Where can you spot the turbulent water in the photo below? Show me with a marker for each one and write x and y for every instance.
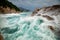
(23, 27)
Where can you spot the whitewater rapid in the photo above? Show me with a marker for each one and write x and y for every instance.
(23, 27)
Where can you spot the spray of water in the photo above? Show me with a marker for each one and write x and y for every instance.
(17, 27)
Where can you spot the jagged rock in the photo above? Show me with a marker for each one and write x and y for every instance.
(43, 10)
(8, 7)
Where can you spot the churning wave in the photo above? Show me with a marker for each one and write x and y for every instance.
(23, 27)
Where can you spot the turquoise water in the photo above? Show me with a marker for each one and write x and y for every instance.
(24, 27)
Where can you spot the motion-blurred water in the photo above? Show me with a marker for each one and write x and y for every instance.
(24, 27)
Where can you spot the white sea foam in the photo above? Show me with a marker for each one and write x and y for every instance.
(27, 27)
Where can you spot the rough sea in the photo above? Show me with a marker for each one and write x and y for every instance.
(22, 26)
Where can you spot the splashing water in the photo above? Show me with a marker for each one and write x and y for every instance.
(16, 27)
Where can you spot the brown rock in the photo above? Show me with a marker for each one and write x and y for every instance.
(51, 28)
(7, 10)
(48, 9)
(48, 17)
(1, 37)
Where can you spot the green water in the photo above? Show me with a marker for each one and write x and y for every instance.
(25, 28)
